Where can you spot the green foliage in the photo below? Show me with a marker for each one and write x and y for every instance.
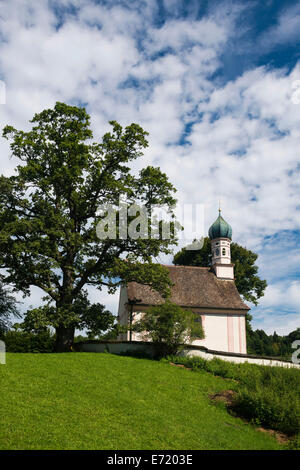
(248, 283)
(263, 406)
(18, 341)
(201, 257)
(261, 344)
(8, 307)
(294, 444)
(111, 334)
(139, 354)
(49, 212)
(82, 315)
(269, 396)
(169, 326)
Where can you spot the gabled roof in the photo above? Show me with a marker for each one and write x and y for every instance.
(193, 287)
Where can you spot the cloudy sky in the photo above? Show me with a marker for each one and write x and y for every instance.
(215, 83)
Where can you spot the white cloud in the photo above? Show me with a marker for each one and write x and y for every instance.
(286, 30)
(281, 293)
(279, 309)
(180, 34)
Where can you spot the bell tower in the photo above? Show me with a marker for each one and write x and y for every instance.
(220, 234)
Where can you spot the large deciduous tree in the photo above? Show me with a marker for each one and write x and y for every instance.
(49, 208)
(8, 308)
(93, 318)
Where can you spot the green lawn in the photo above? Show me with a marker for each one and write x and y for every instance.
(102, 401)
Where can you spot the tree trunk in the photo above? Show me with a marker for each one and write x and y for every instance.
(64, 339)
(65, 335)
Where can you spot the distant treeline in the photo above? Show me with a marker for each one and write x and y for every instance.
(261, 344)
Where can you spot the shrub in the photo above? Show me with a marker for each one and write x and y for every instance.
(271, 395)
(266, 395)
(267, 407)
(23, 342)
(169, 326)
(138, 354)
(294, 443)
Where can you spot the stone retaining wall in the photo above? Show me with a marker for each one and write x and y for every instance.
(127, 347)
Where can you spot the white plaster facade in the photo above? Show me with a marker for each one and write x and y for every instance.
(224, 271)
(123, 319)
(221, 251)
(224, 332)
(221, 258)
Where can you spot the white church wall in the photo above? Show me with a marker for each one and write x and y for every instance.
(237, 343)
(215, 329)
(242, 332)
(224, 271)
(123, 312)
(138, 336)
(220, 256)
(224, 333)
(123, 315)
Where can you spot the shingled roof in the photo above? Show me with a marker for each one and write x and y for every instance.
(193, 287)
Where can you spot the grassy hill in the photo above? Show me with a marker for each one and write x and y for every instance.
(102, 401)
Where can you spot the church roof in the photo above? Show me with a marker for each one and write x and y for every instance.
(193, 287)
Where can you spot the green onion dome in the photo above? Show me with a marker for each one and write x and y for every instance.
(220, 229)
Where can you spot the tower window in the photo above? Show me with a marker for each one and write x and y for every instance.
(224, 251)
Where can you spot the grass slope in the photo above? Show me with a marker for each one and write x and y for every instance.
(102, 401)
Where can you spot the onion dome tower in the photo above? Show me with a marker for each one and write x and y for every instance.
(220, 234)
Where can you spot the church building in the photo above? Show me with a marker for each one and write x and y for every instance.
(210, 292)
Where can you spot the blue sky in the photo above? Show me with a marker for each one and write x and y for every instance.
(216, 84)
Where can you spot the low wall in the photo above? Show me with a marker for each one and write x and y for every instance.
(236, 358)
(116, 347)
(143, 347)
